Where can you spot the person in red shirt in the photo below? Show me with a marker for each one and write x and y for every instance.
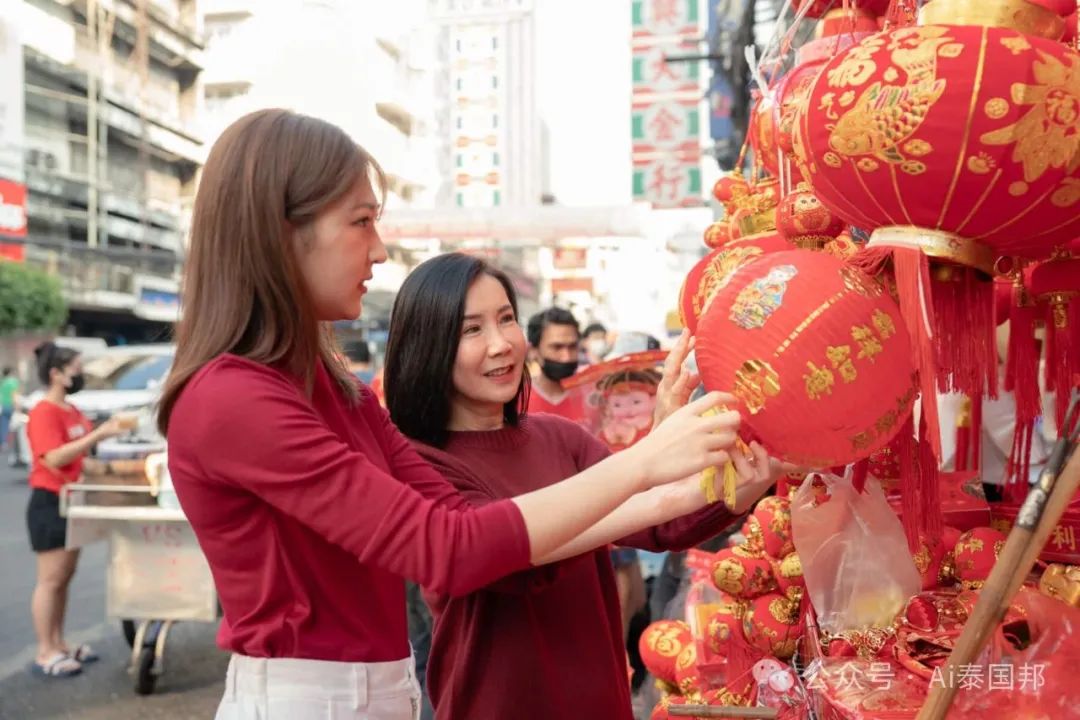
(545, 642)
(311, 508)
(554, 340)
(60, 436)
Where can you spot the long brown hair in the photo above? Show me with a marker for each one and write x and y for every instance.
(267, 177)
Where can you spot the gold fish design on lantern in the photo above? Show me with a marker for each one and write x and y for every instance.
(756, 302)
(886, 116)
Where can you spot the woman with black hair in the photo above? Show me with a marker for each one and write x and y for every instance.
(60, 437)
(546, 642)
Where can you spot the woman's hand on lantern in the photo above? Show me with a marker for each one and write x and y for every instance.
(757, 472)
(693, 438)
(677, 382)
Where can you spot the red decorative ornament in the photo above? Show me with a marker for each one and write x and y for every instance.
(1055, 284)
(955, 143)
(687, 677)
(660, 645)
(743, 573)
(789, 575)
(713, 272)
(975, 553)
(718, 234)
(804, 222)
(724, 624)
(731, 188)
(799, 335)
(762, 133)
(774, 518)
(773, 625)
(929, 558)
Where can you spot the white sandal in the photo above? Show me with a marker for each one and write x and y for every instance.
(58, 665)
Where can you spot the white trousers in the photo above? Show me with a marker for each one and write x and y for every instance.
(286, 689)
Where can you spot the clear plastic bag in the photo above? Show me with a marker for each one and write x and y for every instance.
(854, 554)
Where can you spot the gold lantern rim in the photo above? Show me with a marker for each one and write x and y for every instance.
(936, 244)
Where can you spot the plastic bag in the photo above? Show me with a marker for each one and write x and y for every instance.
(1029, 669)
(855, 557)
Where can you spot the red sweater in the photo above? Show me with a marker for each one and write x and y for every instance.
(311, 511)
(546, 642)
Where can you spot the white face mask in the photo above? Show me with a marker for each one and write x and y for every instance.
(597, 347)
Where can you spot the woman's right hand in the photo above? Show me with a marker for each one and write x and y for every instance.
(687, 443)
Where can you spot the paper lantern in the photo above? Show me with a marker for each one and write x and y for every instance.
(730, 188)
(976, 552)
(774, 517)
(713, 271)
(954, 143)
(773, 625)
(802, 340)
(743, 573)
(804, 222)
(660, 645)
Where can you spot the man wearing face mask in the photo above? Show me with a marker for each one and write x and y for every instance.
(555, 341)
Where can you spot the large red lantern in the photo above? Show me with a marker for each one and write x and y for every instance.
(803, 340)
(956, 143)
(713, 271)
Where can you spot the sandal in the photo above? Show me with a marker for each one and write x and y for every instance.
(84, 654)
(58, 665)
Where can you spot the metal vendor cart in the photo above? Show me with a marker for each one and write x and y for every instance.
(156, 573)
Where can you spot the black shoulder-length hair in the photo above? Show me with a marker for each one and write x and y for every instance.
(425, 330)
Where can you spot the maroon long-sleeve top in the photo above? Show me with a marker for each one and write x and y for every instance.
(311, 510)
(545, 642)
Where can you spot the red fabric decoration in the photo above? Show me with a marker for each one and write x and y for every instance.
(797, 335)
(975, 554)
(743, 573)
(774, 518)
(789, 575)
(660, 645)
(715, 270)
(731, 188)
(773, 625)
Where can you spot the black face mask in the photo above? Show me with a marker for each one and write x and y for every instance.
(558, 371)
(77, 384)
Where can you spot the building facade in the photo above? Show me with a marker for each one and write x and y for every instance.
(111, 149)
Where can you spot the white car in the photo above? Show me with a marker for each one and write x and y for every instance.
(124, 378)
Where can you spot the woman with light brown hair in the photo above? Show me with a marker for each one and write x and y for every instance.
(309, 504)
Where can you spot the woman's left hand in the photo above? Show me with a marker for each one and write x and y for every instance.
(677, 382)
(757, 473)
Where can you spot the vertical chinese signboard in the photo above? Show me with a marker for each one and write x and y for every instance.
(665, 107)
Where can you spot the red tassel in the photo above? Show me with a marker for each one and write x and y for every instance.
(912, 270)
(963, 319)
(976, 433)
(1022, 379)
(931, 518)
(909, 469)
(859, 472)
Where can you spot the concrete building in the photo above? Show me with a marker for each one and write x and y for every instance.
(495, 153)
(111, 149)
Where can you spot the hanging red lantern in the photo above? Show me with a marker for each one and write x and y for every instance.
(1055, 284)
(798, 335)
(955, 143)
(804, 222)
(730, 188)
(713, 271)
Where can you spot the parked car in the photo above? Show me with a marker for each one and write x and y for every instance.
(124, 378)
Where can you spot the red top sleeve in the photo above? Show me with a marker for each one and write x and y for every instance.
(678, 534)
(48, 428)
(370, 495)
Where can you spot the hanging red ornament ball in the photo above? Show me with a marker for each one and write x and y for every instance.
(660, 645)
(773, 625)
(976, 552)
(730, 188)
(804, 222)
(718, 234)
(799, 338)
(743, 573)
(713, 271)
(774, 517)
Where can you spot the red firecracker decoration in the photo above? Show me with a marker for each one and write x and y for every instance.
(798, 335)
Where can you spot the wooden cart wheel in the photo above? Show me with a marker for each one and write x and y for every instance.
(144, 677)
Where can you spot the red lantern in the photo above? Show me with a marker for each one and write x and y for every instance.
(976, 553)
(773, 625)
(713, 271)
(799, 337)
(956, 142)
(743, 573)
(803, 221)
(731, 188)
(762, 132)
(660, 645)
